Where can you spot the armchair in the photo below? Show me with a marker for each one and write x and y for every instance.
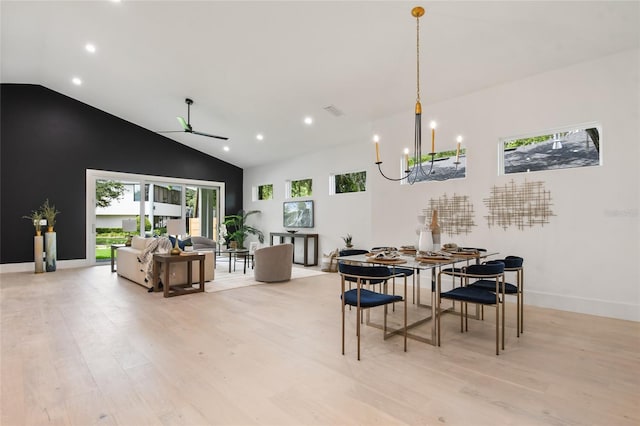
(273, 263)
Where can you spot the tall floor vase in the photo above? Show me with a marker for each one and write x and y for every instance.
(37, 253)
(50, 249)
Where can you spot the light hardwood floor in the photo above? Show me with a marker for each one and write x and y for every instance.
(83, 346)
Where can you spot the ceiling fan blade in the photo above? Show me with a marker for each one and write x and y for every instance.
(211, 136)
(186, 126)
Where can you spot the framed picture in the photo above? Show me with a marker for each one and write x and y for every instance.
(297, 214)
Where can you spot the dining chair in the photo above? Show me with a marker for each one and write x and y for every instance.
(354, 252)
(466, 294)
(363, 299)
(511, 264)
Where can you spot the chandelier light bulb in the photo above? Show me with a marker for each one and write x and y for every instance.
(376, 138)
(459, 139)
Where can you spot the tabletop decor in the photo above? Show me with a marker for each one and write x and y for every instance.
(435, 230)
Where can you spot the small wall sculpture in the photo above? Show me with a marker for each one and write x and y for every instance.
(455, 214)
(521, 205)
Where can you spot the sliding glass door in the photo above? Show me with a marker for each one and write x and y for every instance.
(115, 200)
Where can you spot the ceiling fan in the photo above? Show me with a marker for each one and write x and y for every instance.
(186, 125)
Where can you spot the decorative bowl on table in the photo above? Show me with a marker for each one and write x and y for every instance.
(292, 231)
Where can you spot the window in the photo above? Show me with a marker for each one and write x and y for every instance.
(444, 165)
(265, 192)
(167, 195)
(561, 148)
(348, 182)
(300, 188)
(136, 193)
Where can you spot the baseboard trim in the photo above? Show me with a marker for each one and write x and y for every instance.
(7, 268)
(583, 305)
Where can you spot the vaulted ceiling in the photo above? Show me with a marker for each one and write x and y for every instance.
(261, 67)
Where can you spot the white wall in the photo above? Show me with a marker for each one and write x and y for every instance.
(334, 215)
(584, 260)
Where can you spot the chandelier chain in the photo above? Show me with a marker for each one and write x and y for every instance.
(418, 58)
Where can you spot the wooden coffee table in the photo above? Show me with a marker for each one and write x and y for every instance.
(177, 289)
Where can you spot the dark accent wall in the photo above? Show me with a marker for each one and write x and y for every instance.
(48, 140)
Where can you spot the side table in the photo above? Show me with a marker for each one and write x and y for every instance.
(233, 257)
(114, 247)
(177, 289)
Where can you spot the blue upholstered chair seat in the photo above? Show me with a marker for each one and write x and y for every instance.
(471, 294)
(361, 298)
(369, 299)
(489, 272)
(491, 286)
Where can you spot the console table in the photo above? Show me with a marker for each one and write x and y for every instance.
(306, 238)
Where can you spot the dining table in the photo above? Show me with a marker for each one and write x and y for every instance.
(430, 261)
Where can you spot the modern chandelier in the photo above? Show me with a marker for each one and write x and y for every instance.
(417, 173)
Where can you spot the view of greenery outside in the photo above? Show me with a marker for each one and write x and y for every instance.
(301, 188)
(350, 182)
(444, 154)
(527, 141)
(107, 236)
(192, 201)
(108, 191)
(554, 149)
(265, 192)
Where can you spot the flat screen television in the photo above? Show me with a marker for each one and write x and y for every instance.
(298, 214)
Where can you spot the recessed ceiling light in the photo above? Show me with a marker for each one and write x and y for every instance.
(259, 136)
(90, 48)
(308, 121)
(226, 148)
(76, 81)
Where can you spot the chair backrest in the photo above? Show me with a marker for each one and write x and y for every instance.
(491, 268)
(513, 262)
(352, 252)
(364, 271)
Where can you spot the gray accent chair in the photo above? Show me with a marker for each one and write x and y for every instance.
(203, 243)
(273, 263)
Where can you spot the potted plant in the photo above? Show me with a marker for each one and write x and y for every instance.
(239, 230)
(49, 212)
(35, 217)
(347, 240)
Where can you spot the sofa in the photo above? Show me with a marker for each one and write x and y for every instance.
(129, 267)
(273, 263)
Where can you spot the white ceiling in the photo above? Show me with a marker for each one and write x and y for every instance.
(260, 67)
